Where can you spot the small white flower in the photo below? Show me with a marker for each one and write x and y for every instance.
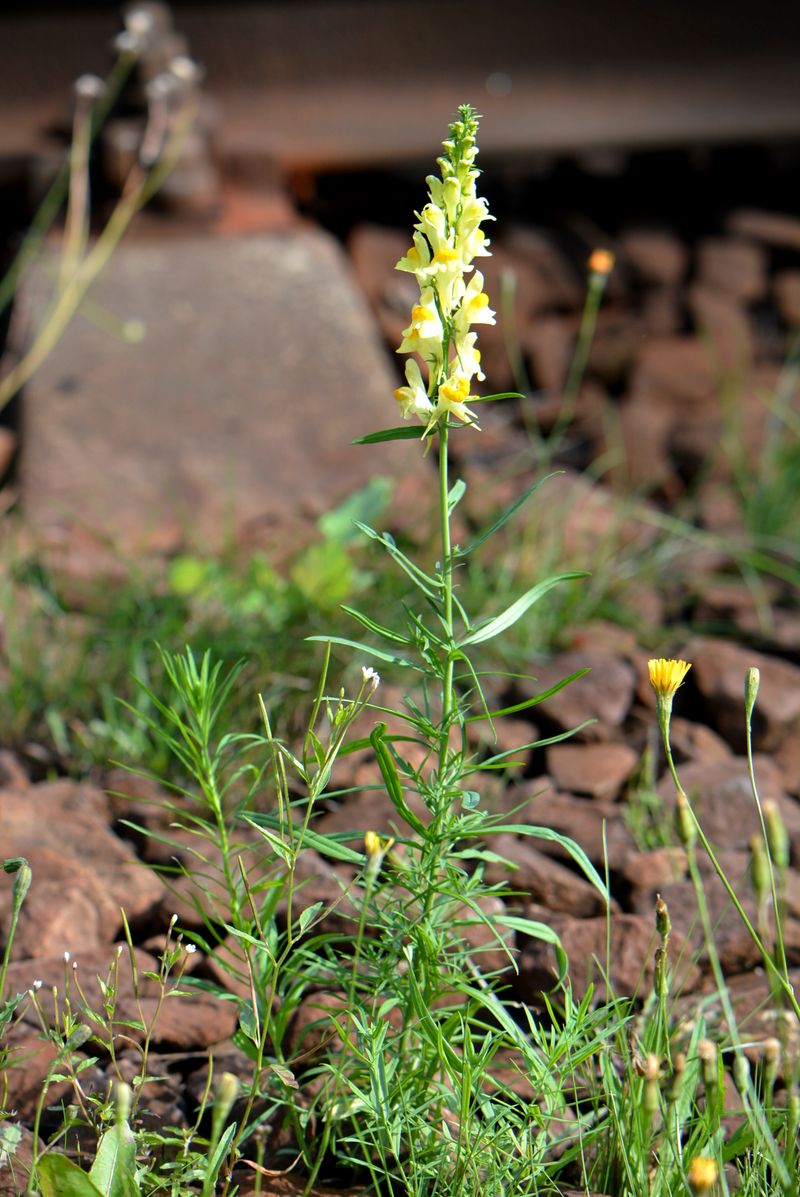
(370, 678)
(190, 949)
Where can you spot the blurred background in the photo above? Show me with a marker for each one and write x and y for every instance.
(202, 314)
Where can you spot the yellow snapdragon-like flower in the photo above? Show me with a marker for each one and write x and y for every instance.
(413, 399)
(447, 239)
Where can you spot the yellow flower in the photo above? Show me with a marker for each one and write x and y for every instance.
(702, 1174)
(375, 848)
(447, 237)
(666, 675)
(453, 397)
(413, 399)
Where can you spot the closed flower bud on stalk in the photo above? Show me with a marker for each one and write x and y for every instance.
(684, 823)
(751, 684)
(759, 869)
(707, 1053)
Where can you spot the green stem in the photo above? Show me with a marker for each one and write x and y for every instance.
(591, 307)
(446, 571)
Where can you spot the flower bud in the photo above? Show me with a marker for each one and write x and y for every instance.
(684, 822)
(741, 1072)
(760, 871)
(751, 682)
(707, 1053)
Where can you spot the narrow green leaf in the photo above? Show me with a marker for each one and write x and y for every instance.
(372, 626)
(391, 779)
(59, 1177)
(555, 837)
(537, 930)
(378, 653)
(278, 846)
(517, 609)
(512, 509)
(405, 432)
(530, 702)
(427, 584)
(494, 398)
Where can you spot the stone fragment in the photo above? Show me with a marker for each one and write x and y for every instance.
(724, 328)
(549, 342)
(655, 254)
(693, 741)
(599, 770)
(540, 878)
(734, 266)
(771, 228)
(597, 827)
(188, 1021)
(647, 872)
(259, 365)
(786, 289)
(719, 668)
(723, 801)
(556, 282)
(737, 951)
(630, 967)
(82, 872)
(604, 694)
(662, 311)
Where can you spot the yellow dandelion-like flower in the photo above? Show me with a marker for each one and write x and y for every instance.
(666, 675)
(702, 1174)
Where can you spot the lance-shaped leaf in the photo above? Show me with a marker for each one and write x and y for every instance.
(517, 609)
(512, 509)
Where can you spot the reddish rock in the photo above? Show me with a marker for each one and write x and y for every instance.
(771, 228)
(724, 328)
(540, 878)
(737, 951)
(662, 311)
(604, 694)
(83, 873)
(648, 872)
(676, 368)
(719, 668)
(597, 827)
(692, 741)
(735, 267)
(549, 342)
(723, 801)
(599, 770)
(188, 1022)
(786, 289)
(630, 967)
(656, 255)
(556, 283)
